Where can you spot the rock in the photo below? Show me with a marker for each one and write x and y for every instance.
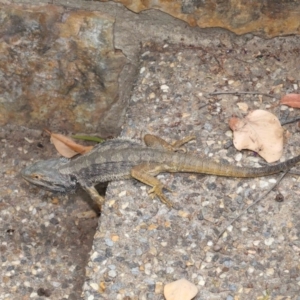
(59, 69)
(265, 18)
(181, 289)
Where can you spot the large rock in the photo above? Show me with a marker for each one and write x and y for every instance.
(59, 69)
(266, 18)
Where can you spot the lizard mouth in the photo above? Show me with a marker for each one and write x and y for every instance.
(53, 187)
(45, 174)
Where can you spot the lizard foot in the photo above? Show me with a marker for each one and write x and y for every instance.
(159, 143)
(178, 145)
(157, 190)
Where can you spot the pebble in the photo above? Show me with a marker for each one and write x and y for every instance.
(164, 88)
(152, 95)
(181, 289)
(208, 126)
(170, 270)
(229, 133)
(263, 184)
(238, 157)
(112, 273)
(94, 286)
(269, 241)
(109, 242)
(122, 194)
(270, 271)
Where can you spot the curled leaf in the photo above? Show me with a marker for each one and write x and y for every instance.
(292, 100)
(259, 131)
(66, 146)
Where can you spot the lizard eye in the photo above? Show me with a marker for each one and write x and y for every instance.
(36, 176)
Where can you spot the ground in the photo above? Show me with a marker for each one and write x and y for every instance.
(141, 244)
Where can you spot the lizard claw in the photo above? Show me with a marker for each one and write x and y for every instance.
(157, 191)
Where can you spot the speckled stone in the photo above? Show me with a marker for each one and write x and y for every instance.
(158, 245)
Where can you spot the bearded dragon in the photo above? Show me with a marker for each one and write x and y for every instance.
(119, 159)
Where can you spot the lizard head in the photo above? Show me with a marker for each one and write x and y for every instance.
(46, 174)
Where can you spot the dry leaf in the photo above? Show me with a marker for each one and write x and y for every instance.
(259, 131)
(180, 289)
(292, 100)
(66, 146)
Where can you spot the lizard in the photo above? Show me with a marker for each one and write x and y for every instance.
(119, 159)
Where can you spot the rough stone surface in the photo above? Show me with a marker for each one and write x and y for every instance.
(265, 18)
(43, 244)
(140, 244)
(59, 69)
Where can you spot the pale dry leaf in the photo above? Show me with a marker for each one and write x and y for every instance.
(259, 131)
(66, 146)
(292, 100)
(180, 289)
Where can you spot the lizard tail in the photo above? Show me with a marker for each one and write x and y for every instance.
(195, 165)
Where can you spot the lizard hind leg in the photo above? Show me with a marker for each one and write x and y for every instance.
(159, 143)
(145, 173)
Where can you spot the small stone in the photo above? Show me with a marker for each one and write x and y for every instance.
(229, 228)
(164, 88)
(183, 214)
(210, 243)
(109, 242)
(263, 184)
(269, 241)
(152, 96)
(112, 273)
(270, 272)
(158, 288)
(122, 194)
(94, 286)
(238, 157)
(217, 248)
(181, 289)
(115, 238)
(242, 106)
(228, 133)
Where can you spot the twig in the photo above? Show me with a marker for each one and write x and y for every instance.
(254, 203)
(289, 121)
(240, 93)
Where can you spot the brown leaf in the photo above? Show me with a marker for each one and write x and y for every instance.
(292, 100)
(259, 131)
(66, 146)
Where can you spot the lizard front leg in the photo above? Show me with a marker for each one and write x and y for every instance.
(159, 143)
(145, 173)
(93, 193)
